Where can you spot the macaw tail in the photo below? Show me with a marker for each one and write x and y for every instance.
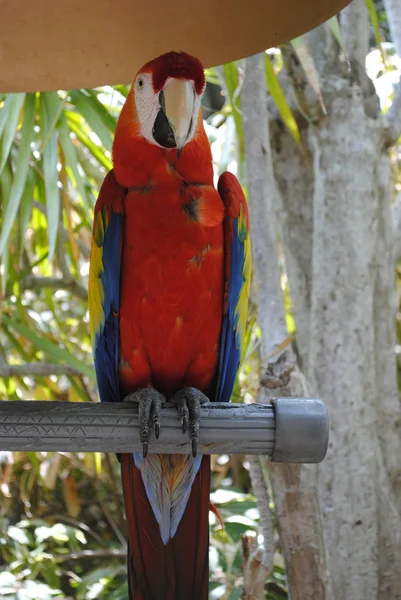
(167, 507)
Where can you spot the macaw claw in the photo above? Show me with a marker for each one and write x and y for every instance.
(150, 403)
(189, 401)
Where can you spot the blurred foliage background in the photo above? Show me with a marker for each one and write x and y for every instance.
(62, 529)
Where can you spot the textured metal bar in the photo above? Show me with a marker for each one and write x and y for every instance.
(108, 427)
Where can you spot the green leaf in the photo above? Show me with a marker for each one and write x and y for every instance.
(5, 265)
(55, 107)
(8, 583)
(4, 112)
(50, 574)
(71, 158)
(14, 104)
(5, 187)
(280, 101)
(95, 150)
(242, 520)
(123, 89)
(212, 76)
(103, 111)
(81, 393)
(334, 27)
(89, 108)
(18, 535)
(26, 206)
(58, 532)
(21, 170)
(50, 111)
(308, 64)
(95, 576)
(232, 84)
(35, 463)
(14, 342)
(376, 28)
(237, 508)
(217, 592)
(53, 350)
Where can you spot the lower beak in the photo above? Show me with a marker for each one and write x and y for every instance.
(177, 104)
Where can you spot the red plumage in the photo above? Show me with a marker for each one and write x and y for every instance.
(176, 64)
(171, 289)
(168, 288)
(171, 306)
(178, 570)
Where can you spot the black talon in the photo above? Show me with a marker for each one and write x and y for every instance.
(188, 402)
(150, 402)
(182, 409)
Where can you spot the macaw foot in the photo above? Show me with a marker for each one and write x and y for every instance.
(189, 402)
(150, 403)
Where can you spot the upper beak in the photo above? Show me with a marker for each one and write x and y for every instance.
(177, 103)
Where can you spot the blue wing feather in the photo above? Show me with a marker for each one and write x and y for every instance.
(238, 272)
(104, 288)
(230, 344)
(107, 339)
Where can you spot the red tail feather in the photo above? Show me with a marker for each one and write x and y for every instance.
(178, 570)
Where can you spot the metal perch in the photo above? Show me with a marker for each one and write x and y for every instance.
(288, 430)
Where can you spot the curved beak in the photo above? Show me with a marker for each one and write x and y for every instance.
(177, 102)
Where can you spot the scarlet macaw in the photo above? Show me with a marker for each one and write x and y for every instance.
(168, 293)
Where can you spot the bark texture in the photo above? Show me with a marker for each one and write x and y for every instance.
(392, 130)
(266, 519)
(335, 217)
(294, 486)
(343, 345)
(393, 10)
(254, 568)
(355, 30)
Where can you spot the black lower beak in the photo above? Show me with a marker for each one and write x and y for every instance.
(162, 132)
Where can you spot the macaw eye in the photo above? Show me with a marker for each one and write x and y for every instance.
(140, 83)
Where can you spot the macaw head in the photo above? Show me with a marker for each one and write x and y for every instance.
(167, 96)
(161, 115)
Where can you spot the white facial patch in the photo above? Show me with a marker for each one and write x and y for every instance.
(147, 105)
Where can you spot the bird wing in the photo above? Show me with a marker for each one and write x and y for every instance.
(104, 286)
(237, 282)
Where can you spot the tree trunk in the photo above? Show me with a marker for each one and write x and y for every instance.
(343, 345)
(294, 486)
(334, 213)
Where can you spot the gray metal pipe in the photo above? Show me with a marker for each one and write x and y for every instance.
(288, 430)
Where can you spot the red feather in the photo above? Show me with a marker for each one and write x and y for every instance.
(170, 317)
(179, 570)
(176, 64)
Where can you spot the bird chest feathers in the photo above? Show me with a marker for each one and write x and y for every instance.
(172, 278)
